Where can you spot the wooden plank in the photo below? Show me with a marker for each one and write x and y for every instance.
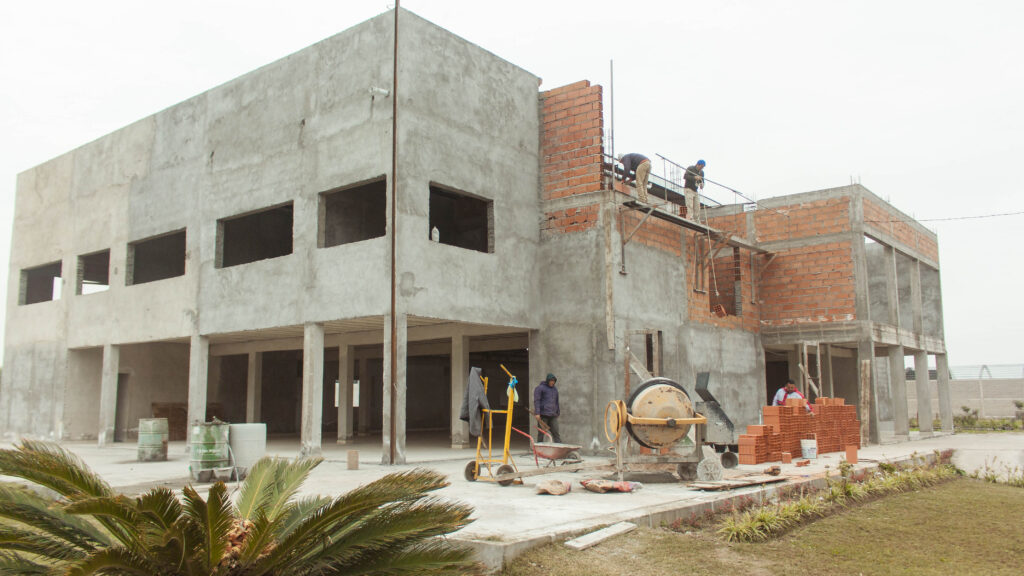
(594, 538)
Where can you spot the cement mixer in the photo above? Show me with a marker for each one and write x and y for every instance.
(659, 415)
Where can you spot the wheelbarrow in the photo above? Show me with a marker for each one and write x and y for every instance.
(552, 451)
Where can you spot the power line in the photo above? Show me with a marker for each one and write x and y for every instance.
(946, 219)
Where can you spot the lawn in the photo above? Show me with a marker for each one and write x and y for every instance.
(963, 526)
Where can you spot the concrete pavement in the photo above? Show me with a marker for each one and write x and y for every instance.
(508, 520)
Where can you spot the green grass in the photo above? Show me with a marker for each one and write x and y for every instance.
(963, 526)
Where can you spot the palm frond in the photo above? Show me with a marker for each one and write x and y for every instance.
(161, 527)
(49, 465)
(116, 560)
(116, 513)
(15, 565)
(271, 483)
(436, 557)
(297, 512)
(390, 531)
(19, 540)
(214, 518)
(340, 520)
(34, 511)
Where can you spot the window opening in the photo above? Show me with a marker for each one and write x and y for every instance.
(461, 220)
(352, 214)
(156, 258)
(40, 284)
(255, 236)
(93, 273)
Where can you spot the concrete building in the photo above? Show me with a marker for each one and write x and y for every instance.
(261, 253)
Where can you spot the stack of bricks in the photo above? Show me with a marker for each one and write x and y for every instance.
(834, 424)
(754, 445)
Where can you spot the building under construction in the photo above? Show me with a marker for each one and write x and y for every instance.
(327, 246)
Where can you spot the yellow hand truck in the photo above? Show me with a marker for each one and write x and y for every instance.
(483, 461)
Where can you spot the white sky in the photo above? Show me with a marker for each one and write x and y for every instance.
(922, 101)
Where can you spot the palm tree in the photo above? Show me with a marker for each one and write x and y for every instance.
(390, 526)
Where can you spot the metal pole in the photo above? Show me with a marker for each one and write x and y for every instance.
(394, 233)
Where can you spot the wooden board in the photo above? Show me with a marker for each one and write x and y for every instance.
(588, 540)
(733, 483)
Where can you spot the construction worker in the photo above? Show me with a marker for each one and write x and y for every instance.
(789, 391)
(693, 182)
(641, 165)
(546, 408)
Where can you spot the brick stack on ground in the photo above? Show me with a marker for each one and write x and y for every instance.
(834, 424)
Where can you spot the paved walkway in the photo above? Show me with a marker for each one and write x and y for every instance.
(511, 519)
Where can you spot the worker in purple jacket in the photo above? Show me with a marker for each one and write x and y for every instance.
(545, 407)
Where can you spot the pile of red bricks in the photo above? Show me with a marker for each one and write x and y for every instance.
(834, 424)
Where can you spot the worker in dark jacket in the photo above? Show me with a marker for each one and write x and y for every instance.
(693, 182)
(545, 407)
(641, 166)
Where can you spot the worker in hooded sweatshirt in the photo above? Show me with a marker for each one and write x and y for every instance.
(545, 407)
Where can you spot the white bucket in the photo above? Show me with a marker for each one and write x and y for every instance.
(809, 448)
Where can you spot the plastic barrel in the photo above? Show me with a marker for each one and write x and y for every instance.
(809, 448)
(248, 444)
(209, 448)
(152, 439)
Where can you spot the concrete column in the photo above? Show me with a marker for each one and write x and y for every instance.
(865, 393)
(898, 388)
(460, 369)
(892, 290)
(254, 388)
(397, 427)
(945, 399)
(312, 388)
(198, 373)
(346, 374)
(916, 300)
(364, 397)
(924, 393)
(108, 393)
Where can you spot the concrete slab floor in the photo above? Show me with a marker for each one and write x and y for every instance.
(510, 519)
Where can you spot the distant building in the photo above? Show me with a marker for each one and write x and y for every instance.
(232, 256)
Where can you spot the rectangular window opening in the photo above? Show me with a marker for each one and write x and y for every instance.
(459, 219)
(40, 284)
(727, 290)
(93, 273)
(255, 236)
(352, 213)
(156, 258)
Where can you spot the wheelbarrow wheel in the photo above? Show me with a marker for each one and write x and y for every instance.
(470, 472)
(506, 469)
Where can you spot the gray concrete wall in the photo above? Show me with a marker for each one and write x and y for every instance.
(470, 124)
(156, 373)
(991, 398)
(283, 133)
(83, 383)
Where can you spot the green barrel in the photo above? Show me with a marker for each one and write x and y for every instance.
(209, 447)
(152, 439)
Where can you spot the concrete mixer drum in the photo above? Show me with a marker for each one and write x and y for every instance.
(659, 398)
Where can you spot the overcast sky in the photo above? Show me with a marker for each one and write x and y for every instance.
(922, 102)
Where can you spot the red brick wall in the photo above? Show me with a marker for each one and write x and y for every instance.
(570, 219)
(877, 217)
(817, 218)
(654, 233)
(809, 284)
(571, 148)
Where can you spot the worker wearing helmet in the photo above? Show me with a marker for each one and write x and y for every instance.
(693, 182)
